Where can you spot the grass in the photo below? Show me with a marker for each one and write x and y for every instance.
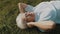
(8, 13)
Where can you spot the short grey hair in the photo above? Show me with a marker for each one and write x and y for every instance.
(19, 21)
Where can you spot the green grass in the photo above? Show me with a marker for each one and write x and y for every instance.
(8, 13)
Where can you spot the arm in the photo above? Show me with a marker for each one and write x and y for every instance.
(44, 25)
(22, 7)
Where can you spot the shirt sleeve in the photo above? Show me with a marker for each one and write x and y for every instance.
(29, 8)
(47, 14)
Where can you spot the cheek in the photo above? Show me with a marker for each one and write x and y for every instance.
(29, 19)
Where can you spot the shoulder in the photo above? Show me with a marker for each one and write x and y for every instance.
(41, 6)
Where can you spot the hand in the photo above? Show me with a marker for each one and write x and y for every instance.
(22, 5)
(29, 14)
(30, 24)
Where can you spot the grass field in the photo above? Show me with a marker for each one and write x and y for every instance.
(8, 13)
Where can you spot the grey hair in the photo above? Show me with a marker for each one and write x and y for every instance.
(20, 23)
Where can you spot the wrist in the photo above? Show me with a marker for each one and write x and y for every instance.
(30, 24)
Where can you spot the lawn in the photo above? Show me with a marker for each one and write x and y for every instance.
(8, 13)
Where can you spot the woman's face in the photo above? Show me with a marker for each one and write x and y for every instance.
(29, 16)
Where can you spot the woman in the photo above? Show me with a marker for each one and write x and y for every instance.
(44, 16)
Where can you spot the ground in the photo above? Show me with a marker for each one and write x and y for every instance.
(8, 13)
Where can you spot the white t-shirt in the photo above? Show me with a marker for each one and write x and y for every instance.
(46, 11)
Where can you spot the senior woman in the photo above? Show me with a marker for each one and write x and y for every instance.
(44, 16)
